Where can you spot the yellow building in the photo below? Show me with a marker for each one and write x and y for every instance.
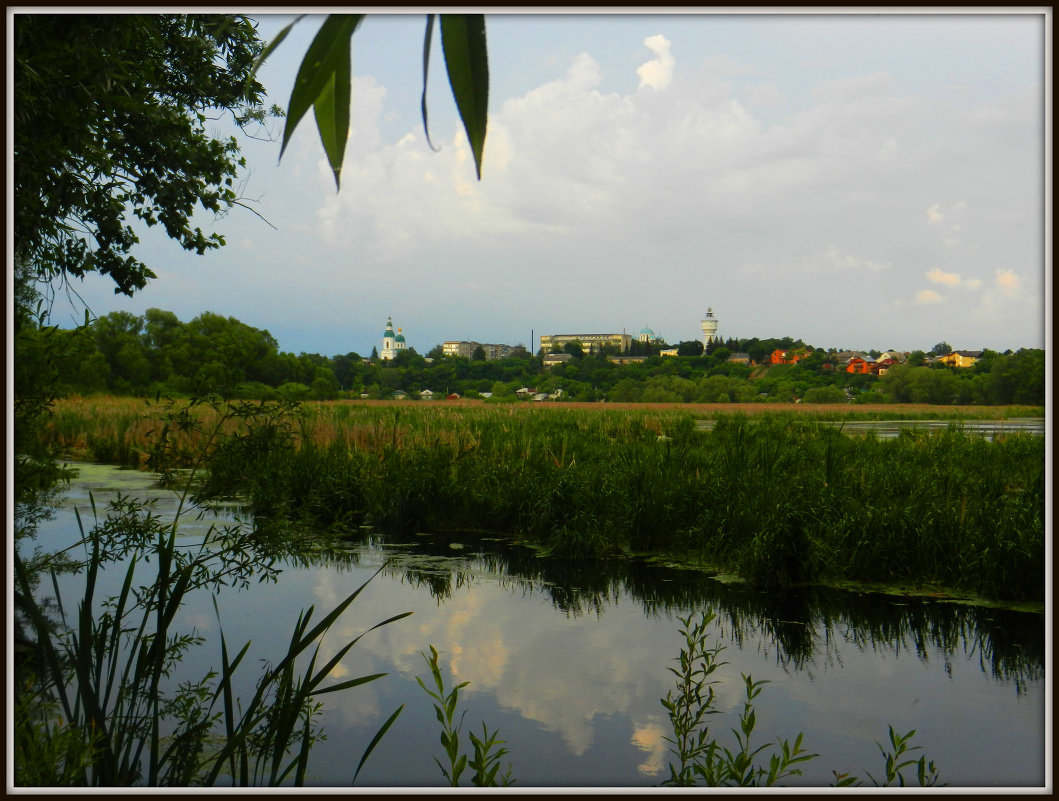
(588, 342)
(960, 358)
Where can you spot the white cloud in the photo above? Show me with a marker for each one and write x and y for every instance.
(657, 73)
(620, 195)
(939, 276)
(1007, 282)
(928, 297)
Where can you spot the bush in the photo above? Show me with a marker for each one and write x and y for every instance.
(829, 394)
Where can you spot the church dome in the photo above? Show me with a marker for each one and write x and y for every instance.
(400, 336)
(388, 333)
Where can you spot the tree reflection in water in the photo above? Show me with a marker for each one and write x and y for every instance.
(803, 624)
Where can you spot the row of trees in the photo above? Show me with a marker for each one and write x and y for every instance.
(155, 353)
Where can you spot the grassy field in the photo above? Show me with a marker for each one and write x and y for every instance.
(768, 493)
(120, 430)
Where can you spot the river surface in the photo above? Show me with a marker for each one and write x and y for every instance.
(569, 660)
(888, 429)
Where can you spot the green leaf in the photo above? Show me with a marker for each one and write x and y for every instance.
(375, 740)
(345, 685)
(332, 109)
(467, 62)
(322, 61)
(270, 48)
(426, 69)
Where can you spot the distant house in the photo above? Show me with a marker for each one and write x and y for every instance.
(881, 365)
(399, 394)
(961, 358)
(739, 358)
(552, 359)
(668, 352)
(541, 396)
(454, 396)
(524, 392)
(898, 357)
(860, 364)
(426, 394)
(787, 356)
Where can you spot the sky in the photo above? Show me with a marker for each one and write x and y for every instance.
(852, 180)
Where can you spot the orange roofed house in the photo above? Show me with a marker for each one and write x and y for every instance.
(787, 356)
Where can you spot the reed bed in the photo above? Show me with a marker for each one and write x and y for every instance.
(779, 499)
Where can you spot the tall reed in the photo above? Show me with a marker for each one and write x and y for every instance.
(99, 703)
(778, 498)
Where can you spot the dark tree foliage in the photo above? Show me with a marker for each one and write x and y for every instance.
(124, 354)
(110, 117)
(691, 347)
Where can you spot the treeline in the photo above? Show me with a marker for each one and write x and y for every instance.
(124, 354)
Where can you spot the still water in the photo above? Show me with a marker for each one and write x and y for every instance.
(569, 660)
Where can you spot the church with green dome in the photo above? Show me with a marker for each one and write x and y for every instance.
(391, 342)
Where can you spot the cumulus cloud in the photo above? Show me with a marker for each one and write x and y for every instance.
(658, 72)
(934, 215)
(1007, 282)
(939, 276)
(928, 297)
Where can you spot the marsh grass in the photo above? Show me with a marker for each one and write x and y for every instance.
(779, 498)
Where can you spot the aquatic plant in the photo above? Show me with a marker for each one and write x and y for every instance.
(701, 759)
(488, 750)
(97, 706)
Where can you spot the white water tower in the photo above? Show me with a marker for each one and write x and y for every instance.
(709, 328)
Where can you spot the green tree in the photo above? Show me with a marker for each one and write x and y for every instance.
(574, 349)
(690, 348)
(118, 339)
(111, 119)
(941, 349)
(478, 355)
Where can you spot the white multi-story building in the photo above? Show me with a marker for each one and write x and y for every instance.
(466, 349)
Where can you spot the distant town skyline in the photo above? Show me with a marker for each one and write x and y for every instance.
(848, 179)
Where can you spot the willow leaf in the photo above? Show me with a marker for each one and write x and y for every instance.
(332, 111)
(426, 70)
(323, 59)
(467, 62)
(267, 51)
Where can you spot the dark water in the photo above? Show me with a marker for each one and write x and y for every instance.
(569, 661)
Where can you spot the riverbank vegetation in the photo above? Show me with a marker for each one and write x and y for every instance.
(778, 499)
(120, 353)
